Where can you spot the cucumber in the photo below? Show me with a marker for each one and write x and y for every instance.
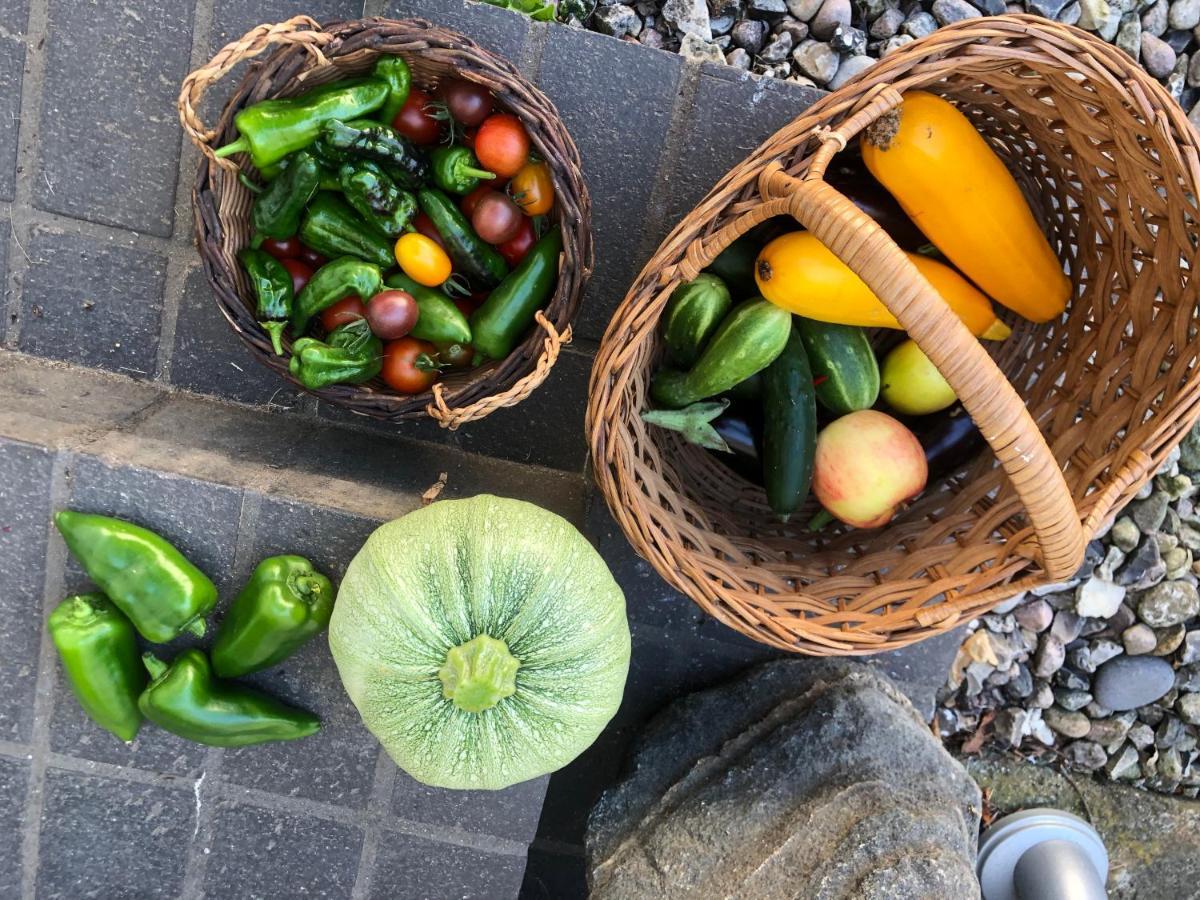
(789, 441)
(692, 315)
(843, 365)
(482, 266)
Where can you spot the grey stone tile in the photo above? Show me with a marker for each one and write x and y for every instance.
(554, 876)
(122, 62)
(575, 788)
(233, 18)
(210, 358)
(106, 313)
(14, 15)
(5, 233)
(24, 520)
(498, 30)
(408, 866)
(618, 115)
(328, 537)
(14, 782)
(732, 115)
(259, 853)
(512, 813)
(107, 838)
(12, 63)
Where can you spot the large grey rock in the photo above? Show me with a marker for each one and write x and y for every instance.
(831, 14)
(1128, 682)
(1170, 603)
(689, 17)
(801, 779)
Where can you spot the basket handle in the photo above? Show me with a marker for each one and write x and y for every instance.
(302, 31)
(453, 418)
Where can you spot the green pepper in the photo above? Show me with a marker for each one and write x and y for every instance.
(336, 279)
(376, 198)
(440, 321)
(509, 310)
(692, 315)
(352, 355)
(285, 602)
(272, 286)
(394, 72)
(277, 209)
(99, 653)
(185, 699)
(455, 169)
(149, 580)
(271, 129)
(333, 229)
(477, 261)
(364, 139)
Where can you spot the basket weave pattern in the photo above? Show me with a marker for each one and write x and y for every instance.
(1078, 412)
(310, 55)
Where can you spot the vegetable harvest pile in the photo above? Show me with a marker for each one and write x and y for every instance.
(400, 234)
(786, 381)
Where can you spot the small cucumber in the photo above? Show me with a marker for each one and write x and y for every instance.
(479, 262)
(692, 315)
(843, 365)
(789, 441)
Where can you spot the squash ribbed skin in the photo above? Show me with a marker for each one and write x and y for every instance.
(447, 573)
(959, 193)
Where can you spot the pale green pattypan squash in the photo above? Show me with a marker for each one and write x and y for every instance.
(484, 641)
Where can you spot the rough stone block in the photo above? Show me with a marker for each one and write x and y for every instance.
(408, 866)
(511, 814)
(14, 782)
(553, 876)
(12, 62)
(495, 29)
(121, 62)
(263, 853)
(24, 519)
(106, 313)
(619, 116)
(107, 838)
(233, 18)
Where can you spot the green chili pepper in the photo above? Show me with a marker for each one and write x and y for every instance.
(149, 580)
(394, 72)
(333, 281)
(272, 290)
(440, 321)
(285, 602)
(455, 169)
(271, 129)
(364, 139)
(277, 209)
(99, 653)
(352, 355)
(186, 700)
(477, 261)
(509, 310)
(376, 198)
(334, 229)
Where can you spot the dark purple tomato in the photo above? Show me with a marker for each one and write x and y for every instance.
(392, 314)
(468, 102)
(283, 248)
(496, 218)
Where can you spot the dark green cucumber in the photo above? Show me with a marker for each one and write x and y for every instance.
(735, 266)
(477, 261)
(843, 365)
(789, 441)
(693, 313)
(747, 341)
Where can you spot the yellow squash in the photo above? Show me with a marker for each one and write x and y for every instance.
(958, 192)
(799, 273)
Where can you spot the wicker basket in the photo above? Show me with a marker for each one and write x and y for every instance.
(1078, 412)
(311, 55)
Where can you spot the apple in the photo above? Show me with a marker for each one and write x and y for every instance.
(867, 465)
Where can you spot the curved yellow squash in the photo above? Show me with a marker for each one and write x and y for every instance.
(799, 273)
(958, 192)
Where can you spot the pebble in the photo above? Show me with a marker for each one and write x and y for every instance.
(990, 7)
(1169, 603)
(1068, 724)
(1148, 514)
(817, 60)
(1170, 765)
(688, 17)
(1154, 19)
(1066, 626)
(1095, 711)
(1091, 656)
(798, 31)
(1151, 715)
(738, 58)
(766, 8)
(1140, 735)
(887, 24)
(1193, 80)
(1098, 598)
(919, 24)
(803, 9)
(1157, 56)
(1144, 568)
(1191, 648)
(851, 66)
(1169, 640)
(749, 34)
(777, 49)
(1107, 732)
(1070, 14)
(1020, 685)
(947, 12)
(617, 20)
(694, 47)
(1042, 696)
(651, 37)
(1051, 654)
(1072, 700)
(1092, 14)
(1111, 562)
(1086, 755)
(847, 39)
(1128, 682)
(1010, 725)
(1071, 680)
(722, 25)
(1119, 621)
(1139, 639)
(1184, 15)
(831, 14)
(1188, 707)
(1125, 534)
(1035, 615)
(1124, 765)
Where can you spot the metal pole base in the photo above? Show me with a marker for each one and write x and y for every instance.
(1042, 854)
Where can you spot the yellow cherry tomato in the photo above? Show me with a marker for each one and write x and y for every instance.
(532, 189)
(422, 259)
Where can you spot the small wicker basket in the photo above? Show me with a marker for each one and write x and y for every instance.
(310, 55)
(1078, 412)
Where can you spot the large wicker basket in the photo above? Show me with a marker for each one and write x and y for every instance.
(310, 55)
(1078, 412)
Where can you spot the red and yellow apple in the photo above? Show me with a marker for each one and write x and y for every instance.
(867, 465)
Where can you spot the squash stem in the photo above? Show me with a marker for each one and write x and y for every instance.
(479, 674)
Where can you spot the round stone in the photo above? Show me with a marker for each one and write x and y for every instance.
(947, 12)
(1068, 724)
(1188, 707)
(1167, 604)
(1184, 15)
(1129, 682)
(1125, 534)
(1139, 639)
(850, 67)
(1157, 56)
(831, 14)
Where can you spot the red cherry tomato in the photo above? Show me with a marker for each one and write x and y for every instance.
(300, 273)
(514, 249)
(415, 120)
(283, 248)
(311, 256)
(502, 145)
(348, 309)
(471, 200)
(409, 366)
(468, 102)
(425, 226)
(392, 314)
(496, 218)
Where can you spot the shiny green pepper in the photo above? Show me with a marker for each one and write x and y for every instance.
(352, 355)
(277, 209)
(455, 169)
(394, 72)
(376, 198)
(364, 139)
(333, 281)
(285, 602)
(272, 285)
(333, 229)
